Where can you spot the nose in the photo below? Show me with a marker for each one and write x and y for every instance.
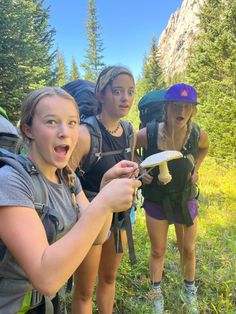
(125, 95)
(63, 130)
(181, 108)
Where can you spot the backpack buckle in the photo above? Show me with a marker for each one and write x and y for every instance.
(128, 150)
(80, 172)
(99, 155)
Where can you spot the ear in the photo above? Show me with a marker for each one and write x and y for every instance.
(27, 131)
(100, 98)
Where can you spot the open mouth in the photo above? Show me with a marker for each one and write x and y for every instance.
(179, 119)
(61, 150)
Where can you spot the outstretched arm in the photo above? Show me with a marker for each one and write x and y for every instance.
(49, 266)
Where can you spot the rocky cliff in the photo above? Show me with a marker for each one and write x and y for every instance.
(177, 38)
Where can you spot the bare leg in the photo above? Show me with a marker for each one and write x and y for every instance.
(85, 275)
(187, 246)
(179, 231)
(108, 268)
(84, 282)
(157, 230)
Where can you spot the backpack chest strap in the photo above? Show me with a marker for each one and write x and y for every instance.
(113, 152)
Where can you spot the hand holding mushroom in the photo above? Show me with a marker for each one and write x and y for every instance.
(161, 159)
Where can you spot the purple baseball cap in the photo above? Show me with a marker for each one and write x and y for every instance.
(181, 93)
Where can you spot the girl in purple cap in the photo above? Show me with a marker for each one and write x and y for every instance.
(176, 202)
(115, 89)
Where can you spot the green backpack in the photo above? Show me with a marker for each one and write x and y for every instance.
(151, 107)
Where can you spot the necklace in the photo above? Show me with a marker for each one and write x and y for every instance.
(109, 131)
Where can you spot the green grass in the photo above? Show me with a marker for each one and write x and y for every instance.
(215, 252)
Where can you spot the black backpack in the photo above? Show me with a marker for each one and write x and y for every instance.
(83, 92)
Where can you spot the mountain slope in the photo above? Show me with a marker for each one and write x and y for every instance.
(177, 38)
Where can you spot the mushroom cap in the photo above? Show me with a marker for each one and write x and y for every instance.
(157, 159)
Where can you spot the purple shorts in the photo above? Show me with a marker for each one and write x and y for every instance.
(157, 212)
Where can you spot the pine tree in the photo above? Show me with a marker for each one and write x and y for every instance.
(152, 77)
(74, 73)
(152, 71)
(93, 63)
(60, 70)
(25, 51)
(212, 70)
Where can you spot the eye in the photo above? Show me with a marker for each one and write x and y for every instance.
(73, 123)
(131, 92)
(51, 122)
(187, 106)
(116, 91)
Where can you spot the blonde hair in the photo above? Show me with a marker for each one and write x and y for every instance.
(27, 114)
(164, 133)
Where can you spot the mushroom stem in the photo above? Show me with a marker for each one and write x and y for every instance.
(164, 175)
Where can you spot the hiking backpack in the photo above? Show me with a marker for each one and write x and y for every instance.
(151, 107)
(8, 133)
(83, 92)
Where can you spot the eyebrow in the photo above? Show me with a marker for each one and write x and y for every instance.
(121, 87)
(49, 115)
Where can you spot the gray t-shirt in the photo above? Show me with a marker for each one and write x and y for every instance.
(17, 190)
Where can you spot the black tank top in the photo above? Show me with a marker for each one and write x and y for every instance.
(92, 179)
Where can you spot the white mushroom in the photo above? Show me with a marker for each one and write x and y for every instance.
(160, 159)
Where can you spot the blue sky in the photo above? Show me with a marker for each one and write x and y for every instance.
(127, 28)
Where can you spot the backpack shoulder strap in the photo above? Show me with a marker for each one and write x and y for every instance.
(152, 131)
(129, 134)
(27, 168)
(192, 143)
(95, 146)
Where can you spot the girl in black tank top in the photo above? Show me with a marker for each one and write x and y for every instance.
(115, 94)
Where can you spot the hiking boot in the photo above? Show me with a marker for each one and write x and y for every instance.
(158, 301)
(188, 295)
